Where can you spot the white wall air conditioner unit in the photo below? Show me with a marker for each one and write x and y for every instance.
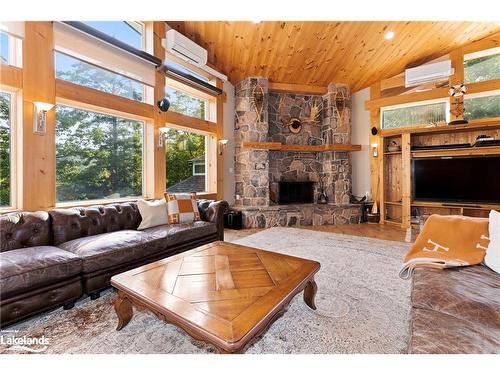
(186, 49)
(428, 73)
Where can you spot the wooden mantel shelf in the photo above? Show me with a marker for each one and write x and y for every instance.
(301, 148)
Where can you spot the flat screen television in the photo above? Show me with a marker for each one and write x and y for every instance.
(465, 179)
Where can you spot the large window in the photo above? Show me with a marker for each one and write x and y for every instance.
(98, 156)
(414, 114)
(10, 49)
(186, 157)
(125, 31)
(4, 48)
(484, 105)
(187, 104)
(5, 149)
(482, 66)
(77, 71)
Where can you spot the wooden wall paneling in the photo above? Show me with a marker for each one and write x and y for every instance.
(39, 179)
(159, 163)
(220, 135)
(406, 180)
(393, 186)
(451, 138)
(11, 76)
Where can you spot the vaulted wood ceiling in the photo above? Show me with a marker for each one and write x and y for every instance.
(318, 53)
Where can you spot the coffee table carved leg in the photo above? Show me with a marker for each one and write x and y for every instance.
(123, 308)
(309, 294)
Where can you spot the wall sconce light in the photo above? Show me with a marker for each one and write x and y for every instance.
(161, 138)
(40, 117)
(374, 150)
(222, 145)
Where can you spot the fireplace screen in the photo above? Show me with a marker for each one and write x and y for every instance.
(296, 192)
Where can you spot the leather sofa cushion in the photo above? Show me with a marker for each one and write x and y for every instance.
(469, 293)
(177, 234)
(72, 223)
(33, 267)
(109, 250)
(436, 333)
(24, 229)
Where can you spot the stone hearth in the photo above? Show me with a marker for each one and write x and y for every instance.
(258, 172)
(291, 215)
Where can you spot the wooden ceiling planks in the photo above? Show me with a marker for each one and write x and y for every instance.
(318, 52)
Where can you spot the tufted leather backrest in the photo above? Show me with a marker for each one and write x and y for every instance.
(69, 224)
(24, 229)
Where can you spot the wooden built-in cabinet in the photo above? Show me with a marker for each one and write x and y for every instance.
(396, 204)
(391, 171)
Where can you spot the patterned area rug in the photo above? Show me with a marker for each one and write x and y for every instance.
(363, 307)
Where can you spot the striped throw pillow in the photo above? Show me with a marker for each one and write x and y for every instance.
(182, 208)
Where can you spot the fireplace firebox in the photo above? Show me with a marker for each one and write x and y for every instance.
(296, 192)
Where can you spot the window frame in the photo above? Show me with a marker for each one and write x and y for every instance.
(481, 94)
(15, 50)
(476, 55)
(16, 155)
(198, 165)
(143, 32)
(147, 143)
(197, 94)
(210, 156)
(444, 100)
(146, 89)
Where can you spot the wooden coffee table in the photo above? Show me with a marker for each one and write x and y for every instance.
(221, 293)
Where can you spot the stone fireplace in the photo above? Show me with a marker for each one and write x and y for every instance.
(260, 173)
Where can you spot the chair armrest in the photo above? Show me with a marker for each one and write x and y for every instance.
(213, 211)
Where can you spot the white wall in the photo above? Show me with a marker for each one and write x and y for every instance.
(360, 135)
(228, 109)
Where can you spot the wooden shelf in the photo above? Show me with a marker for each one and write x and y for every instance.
(392, 222)
(469, 151)
(392, 153)
(473, 125)
(394, 203)
(301, 148)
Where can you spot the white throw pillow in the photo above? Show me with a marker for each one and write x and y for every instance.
(492, 258)
(153, 213)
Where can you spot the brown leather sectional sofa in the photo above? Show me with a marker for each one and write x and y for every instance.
(50, 259)
(455, 311)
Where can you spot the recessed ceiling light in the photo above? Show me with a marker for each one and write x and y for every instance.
(389, 35)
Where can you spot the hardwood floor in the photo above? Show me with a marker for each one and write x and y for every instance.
(380, 231)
